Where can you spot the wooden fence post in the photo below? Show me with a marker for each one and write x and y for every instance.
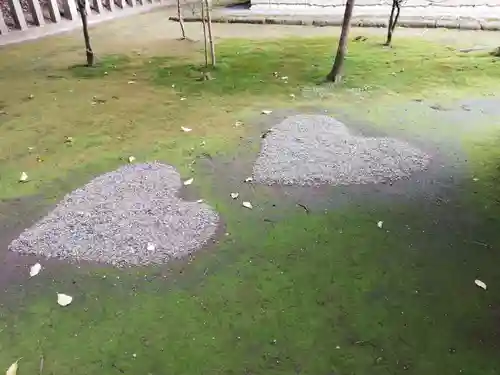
(54, 13)
(98, 6)
(69, 9)
(3, 26)
(87, 7)
(36, 12)
(18, 14)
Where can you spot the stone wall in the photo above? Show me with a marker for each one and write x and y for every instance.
(458, 8)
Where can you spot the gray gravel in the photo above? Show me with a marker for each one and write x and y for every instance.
(114, 217)
(309, 150)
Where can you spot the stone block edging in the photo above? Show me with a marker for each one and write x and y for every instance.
(357, 22)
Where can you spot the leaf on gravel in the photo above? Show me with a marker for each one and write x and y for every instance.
(266, 112)
(480, 284)
(235, 195)
(188, 182)
(23, 177)
(248, 179)
(12, 370)
(151, 246)
(131, 159)
(266, 133)
(35, 269)
(380, 224)
(185, 130)
(247, 205)
(63, 299)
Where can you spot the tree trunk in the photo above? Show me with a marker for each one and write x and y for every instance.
(389, 27)
(181, 20)
(209, 27)
(86, 37)
(335, 73)
(204, 24)
(396, 19)
(393, 21)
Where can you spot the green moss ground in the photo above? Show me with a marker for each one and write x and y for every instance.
(325, 293)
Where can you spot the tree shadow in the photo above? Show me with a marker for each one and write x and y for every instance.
(103, 66)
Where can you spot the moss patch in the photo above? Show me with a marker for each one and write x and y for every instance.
(321, 293)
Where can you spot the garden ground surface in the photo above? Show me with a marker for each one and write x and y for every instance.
(283, 290)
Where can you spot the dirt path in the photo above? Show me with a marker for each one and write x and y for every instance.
(152, 26)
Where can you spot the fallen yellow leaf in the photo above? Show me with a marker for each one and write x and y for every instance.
(480, 284)
(12, 370)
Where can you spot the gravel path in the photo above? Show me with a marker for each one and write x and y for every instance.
(131, 216)
(308, 150)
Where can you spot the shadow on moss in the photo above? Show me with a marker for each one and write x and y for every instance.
(103, 67)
